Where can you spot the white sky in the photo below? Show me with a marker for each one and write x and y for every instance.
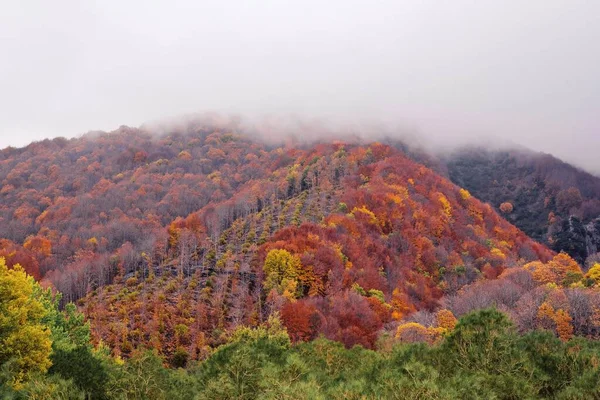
(526, 71)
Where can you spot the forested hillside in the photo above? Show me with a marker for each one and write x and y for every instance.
(552, 201)
(178, 241)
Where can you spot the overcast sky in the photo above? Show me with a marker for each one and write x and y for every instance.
(527, 71)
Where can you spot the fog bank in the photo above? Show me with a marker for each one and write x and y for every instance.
(447, 73)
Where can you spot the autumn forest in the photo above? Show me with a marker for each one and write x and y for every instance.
(209, 262)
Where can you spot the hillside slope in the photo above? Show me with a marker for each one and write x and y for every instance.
(551, 201)
(174, 240)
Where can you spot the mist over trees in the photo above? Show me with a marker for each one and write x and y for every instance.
(186, 248)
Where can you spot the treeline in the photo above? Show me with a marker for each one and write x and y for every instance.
(482, 358)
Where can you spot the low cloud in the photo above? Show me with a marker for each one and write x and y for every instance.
(445, 73)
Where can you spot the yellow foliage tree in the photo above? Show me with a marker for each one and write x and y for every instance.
(412, 332)
(370, 216)
(446, 207)
(593, 274)
(497, 257)
(564, 328)
(561, 270)
(281, 273)
(541, 272)
(545, 315)
(464, 194)
(446, 320)
(563, 265)
(25, 344)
